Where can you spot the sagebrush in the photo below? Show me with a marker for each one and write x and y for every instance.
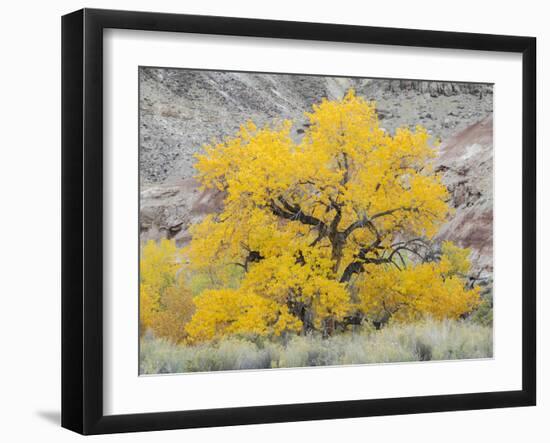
(423, 341)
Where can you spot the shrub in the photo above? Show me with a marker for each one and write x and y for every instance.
(422, 341)
(483, 315)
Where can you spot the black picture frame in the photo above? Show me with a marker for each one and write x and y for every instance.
(82, 220)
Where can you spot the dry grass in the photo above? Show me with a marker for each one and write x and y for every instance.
(448, 340)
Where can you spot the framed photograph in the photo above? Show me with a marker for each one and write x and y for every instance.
(269, 221)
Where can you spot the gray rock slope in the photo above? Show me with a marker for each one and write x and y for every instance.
(180, 110)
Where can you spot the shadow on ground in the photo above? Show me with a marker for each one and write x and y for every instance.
(54, 417)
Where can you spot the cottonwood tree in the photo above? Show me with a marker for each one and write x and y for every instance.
(327, 231)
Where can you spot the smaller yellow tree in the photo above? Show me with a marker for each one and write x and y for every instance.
(158, 270)
(176, 309)
(166, 305)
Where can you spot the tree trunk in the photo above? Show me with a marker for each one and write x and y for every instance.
(353, 268)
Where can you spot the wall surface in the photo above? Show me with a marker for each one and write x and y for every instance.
(30, 220)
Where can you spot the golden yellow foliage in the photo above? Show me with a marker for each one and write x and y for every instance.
(166, 305)
(425, 289)
(314, 222)
(176, 309)
(157, 272)
(225, 311)
(455, 259)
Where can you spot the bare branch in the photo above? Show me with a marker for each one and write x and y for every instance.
(362, 223)
(392, 211)
(294, 212)
(356, 267)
